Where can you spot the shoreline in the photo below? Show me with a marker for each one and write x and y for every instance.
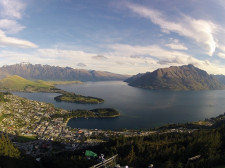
(68, 119)
(207, 123)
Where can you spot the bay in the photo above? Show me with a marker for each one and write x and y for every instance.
(139, 108)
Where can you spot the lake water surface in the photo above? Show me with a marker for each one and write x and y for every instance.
(139, 108)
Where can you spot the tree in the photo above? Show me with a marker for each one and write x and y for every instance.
(7, 148)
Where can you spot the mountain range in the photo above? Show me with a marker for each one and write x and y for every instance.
(56, 73)
(186, 77)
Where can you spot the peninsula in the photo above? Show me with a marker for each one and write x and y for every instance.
(95, 113)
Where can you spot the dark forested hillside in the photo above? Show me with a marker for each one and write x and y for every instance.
(168, 150)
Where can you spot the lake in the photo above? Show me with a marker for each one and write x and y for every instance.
(139, 108)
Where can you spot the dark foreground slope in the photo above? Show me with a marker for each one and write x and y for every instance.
(56, 73)
(185, 77)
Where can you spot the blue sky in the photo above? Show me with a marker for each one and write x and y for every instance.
(120, 36)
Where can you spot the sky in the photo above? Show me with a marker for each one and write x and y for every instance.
(120, 36)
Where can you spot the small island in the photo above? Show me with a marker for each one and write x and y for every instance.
(74, 98)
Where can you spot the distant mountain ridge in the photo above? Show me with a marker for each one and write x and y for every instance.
(185, 77)
(220, 78)
(47, 72)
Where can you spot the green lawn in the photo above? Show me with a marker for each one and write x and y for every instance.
(25, 138)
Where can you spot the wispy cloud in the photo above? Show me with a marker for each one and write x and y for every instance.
(10, 26)
(202, 31)
(221, 55)
(81, 64)
(100, 57)
(12, 8)
(10, 13)
(176, 46)
(15, 42)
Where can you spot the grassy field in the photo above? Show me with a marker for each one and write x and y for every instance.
(24, 139)
(53, 83)
(202, 123)
(17, 83)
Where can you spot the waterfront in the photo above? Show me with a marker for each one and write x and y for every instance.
(139, 108)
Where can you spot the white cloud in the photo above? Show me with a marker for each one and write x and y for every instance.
(176, 46)
(64, 54)
(201, 31)
(10, 12)
(15, 42)
(10, 26)
(221, 55)
(12, 8)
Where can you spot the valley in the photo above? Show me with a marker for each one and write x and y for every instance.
(42, 131)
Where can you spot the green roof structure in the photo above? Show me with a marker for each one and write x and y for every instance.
(89, 153)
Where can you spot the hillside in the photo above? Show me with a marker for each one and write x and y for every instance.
(185, 77)
(56, 73)
(17, 83)
(134, 77)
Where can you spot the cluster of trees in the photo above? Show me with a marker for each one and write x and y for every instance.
(11, 157)
(7, 148)
(170, 150)
(75, 159)
(105, 112)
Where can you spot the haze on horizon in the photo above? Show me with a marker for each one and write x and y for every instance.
(120, 36)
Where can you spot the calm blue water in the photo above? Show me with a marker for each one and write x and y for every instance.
(139, 108)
